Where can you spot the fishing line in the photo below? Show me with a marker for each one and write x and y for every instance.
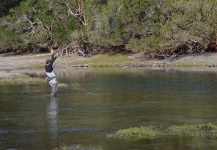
(75, 85)
(73, 82)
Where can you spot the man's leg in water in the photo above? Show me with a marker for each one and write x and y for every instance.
(53, 89)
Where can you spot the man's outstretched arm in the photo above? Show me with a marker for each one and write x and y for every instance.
(53, 57)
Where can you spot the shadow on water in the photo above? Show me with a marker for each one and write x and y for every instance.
(95, 102)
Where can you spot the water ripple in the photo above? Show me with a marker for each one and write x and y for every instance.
(18, 94)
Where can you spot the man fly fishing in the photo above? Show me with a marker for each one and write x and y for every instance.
(51, 76)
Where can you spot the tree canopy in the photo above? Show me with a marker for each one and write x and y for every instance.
(138, 25)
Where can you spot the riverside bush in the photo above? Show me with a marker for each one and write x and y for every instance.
(138, 25)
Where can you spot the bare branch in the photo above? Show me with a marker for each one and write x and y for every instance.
(32, 27)
(32, 24)
(79, 13)
(70, 10)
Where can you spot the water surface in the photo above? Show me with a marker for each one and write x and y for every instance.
(96, 102)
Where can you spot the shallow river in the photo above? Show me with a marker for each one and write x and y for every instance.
(93, 103)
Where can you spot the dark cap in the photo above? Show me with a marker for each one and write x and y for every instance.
(47, 61)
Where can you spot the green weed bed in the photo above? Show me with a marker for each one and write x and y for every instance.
(150, 132)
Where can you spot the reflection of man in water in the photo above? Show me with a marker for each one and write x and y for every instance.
(52, 112)
(51, 74)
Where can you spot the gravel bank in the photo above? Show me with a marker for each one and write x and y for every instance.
(206, 59)
(17, 62)
(12, 65)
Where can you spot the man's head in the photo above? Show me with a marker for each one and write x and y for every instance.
(47, 61)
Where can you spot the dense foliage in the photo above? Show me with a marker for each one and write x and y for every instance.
(138, 25)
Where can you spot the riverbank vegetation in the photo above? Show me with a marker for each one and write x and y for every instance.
(79, 147)
(158, 29)
(150, 132)
(20, 79)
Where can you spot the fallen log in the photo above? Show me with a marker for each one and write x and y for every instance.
(81, 65)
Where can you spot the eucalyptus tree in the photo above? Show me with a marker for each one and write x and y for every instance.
(193, 21)
(125, 22)
(41, 22)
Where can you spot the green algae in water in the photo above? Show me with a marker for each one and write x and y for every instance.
(198, 130)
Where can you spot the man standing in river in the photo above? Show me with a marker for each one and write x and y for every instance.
(51, 76)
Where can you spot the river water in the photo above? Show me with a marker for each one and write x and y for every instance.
(92, 103)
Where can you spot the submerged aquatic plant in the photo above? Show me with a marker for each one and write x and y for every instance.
(141, 132)
(198, 130)
(194, 130)
(80, 147)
